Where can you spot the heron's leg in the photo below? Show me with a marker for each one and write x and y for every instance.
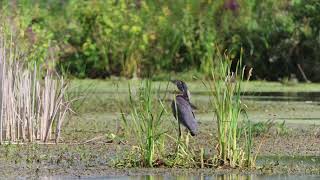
(179, 130)
(187, 140)
(179, 137)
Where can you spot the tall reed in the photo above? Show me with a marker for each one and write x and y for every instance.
(225, 90)
(32, 108)
(144, 123)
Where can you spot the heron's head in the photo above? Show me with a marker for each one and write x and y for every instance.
(182, 86)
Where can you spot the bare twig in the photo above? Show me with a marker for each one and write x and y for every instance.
(303, 74)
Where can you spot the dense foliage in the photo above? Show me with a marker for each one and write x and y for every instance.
(129, 38)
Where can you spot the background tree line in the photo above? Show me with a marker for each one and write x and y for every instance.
(100, 38)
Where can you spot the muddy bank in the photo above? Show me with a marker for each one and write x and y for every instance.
(286, 135)
(88, 148)
(37, 171)
(294, 153)
(34, 172)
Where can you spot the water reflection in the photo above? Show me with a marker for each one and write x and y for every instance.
(214, 177)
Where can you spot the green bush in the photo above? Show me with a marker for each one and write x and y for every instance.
(306, 15)
(143, 38)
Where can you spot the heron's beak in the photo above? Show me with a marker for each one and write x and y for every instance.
(174, 82)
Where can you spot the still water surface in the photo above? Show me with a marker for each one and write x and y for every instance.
(216, 177)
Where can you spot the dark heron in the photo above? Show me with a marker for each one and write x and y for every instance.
(182, 109)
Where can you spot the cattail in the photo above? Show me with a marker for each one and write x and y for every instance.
(28, 106)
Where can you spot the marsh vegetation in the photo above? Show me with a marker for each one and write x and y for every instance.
(53, 123)
(32, 107)
(94, 141)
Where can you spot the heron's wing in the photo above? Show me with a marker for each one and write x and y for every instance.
(185, 114)
(193, 114)
(192, 108)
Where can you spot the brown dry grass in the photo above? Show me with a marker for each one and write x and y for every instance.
(32, 106)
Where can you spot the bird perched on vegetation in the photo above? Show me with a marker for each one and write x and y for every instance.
(182, 110)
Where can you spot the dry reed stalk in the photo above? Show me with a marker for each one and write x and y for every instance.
(1, 91)
(29, 105)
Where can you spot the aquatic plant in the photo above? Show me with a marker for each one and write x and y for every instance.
(144, 124)
(183, 154)
(225, 88)
(282, 129)
(259, 128)
(32, 105)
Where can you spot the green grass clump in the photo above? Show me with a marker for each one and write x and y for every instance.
(225, 90)
(144, 123)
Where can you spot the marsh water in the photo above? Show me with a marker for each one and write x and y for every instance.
(288, 154)
(291, 107)
(217, 177)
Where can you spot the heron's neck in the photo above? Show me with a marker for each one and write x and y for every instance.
(184, 96)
